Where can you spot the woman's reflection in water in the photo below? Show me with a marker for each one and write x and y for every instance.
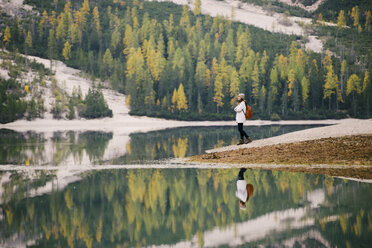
(244, 191)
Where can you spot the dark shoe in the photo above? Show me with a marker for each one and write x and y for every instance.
(241, 142)
(249, 140)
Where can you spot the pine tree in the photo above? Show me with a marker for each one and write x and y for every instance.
(202, 74)
(84, 11)
(291, 81)
(355, 16)
(263, 64)
(164, 103)
(197, 7)
(255, 82)
(156, 64)
(60, 31)
(174, 99)
(283, 66)
(108, 62)
(300, 65)
(245, 71)
(341, 20)
(181, 99)
(353, 87)
(185, 19)
(127, 40)
(96, 19)
(135, 21)
(53, 19)
(305, 90)
(28, 42)
(315, 85)
(262, 98)
(85, 8)
(230, 47)
(365, 87)
(66, 52)
(320, 19)
(368, 19)
(365, 81)
(330, 86)
(234, 86)
(7, 36)
(75, 34)
(273, 90)
(218, 92)
(274, 82)
(343, 69)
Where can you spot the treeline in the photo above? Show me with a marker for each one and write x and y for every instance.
(330, 9)
(190, 66)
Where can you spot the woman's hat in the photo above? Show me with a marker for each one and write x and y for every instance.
(241, 95)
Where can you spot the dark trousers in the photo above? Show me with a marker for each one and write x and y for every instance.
(241, 173)
(241, 131)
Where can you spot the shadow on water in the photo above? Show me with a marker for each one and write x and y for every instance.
(188, 207)
(77, 148)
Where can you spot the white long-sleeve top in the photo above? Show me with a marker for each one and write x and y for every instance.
(240, 112)
(241, 190)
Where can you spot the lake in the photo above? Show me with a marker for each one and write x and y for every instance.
(48, 200)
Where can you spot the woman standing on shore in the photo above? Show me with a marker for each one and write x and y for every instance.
(240, 119)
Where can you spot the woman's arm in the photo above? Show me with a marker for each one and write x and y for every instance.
(240, 107)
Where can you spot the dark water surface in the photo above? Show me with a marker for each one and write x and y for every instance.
(75, 148)
(167, 207)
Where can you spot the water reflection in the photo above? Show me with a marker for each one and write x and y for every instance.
(244, 191)
(185, 207)
(71, 148)
(87, 148)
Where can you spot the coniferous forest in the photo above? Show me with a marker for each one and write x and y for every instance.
(175, 63)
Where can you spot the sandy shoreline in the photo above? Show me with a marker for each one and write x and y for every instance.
(283, 154)
(344, 127)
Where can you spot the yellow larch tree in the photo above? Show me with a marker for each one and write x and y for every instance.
(181, 99)
(234, 86)
(218, 92)
(197, 7)
(66, 52)
(174, 99)
(341, 20)
(96, 19)
(7, 36)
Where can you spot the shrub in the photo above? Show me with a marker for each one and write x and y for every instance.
(275, 117)
(95, 105)
(12, 107)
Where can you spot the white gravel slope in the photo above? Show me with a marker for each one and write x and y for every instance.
(256, 16)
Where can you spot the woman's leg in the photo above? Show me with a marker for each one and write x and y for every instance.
(241, 173)
(241, 131)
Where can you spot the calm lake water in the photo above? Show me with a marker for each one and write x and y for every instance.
(82, 148)
(152, 207)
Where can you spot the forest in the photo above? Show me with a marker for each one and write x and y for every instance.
(180, 64)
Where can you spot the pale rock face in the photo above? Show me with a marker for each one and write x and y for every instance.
(14, 7)
(257, 16)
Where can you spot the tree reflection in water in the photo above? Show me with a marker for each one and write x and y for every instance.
(190, 207)
(96, 148)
